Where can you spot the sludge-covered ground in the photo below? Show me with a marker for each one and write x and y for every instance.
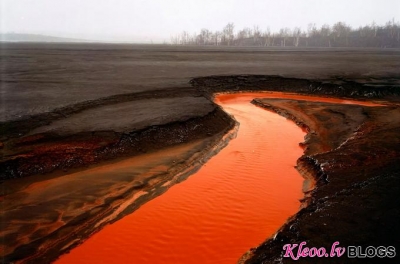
(47, 83)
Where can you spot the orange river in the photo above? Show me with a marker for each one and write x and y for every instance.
(239, 198)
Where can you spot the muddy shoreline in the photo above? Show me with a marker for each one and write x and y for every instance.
(374, 159)
(47, 152)
(384, 89)
(355, 171)
(355, 165)
(93, 146)
(23, 152)
(131, 190)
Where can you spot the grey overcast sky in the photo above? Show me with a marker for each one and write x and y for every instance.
(157, 20)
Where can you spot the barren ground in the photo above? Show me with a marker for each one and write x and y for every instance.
(41, 77)
(67, 106)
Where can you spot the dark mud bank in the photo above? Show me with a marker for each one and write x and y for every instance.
(65, 145)
(353, 154)
(39, 230)
(24, 154)
(24, 124)
(354, 201)
(337, 87)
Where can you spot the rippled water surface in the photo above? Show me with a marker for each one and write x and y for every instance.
(235, 201)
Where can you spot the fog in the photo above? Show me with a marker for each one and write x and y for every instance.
(157, 20)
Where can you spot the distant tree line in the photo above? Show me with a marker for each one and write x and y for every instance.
(338, 35)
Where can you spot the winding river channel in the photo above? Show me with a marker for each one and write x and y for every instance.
(240, 197)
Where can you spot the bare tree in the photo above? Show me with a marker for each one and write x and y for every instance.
(284, 33)
(204, 36)
(256, 35)
(228, 33)
(184, 38)
(337, 35)
(296, 35)
(194, 39)
(390, 25)
(217, 38)
(244, 33)
(340, 29)
(374, 28)
(312, 30)
(267, 37)
(325, 30)
(175, 40)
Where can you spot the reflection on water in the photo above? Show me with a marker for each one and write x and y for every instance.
(234, 202)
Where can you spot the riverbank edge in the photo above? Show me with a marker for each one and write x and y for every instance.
(385, 93)
(280, 84)
(87, 150)
(311, 169)
(49, 248)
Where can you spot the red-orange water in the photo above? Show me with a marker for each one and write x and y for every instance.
(235, 201)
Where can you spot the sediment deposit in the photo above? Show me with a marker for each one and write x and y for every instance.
(49, 109)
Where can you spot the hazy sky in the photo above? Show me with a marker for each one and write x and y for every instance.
(157, 20)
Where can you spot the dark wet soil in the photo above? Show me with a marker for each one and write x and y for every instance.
(47, 90)
(108, 132)
(39, 78)
(45, 215)
(353, 153)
